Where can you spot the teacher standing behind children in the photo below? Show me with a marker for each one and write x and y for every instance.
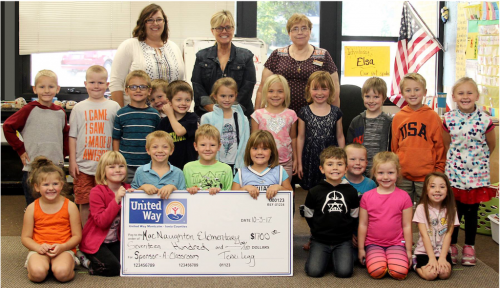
(297, 62)
(223, 59)
(149, 50)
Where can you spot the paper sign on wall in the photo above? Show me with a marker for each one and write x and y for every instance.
(362, 61)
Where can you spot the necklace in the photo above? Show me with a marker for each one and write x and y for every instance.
(297, 63)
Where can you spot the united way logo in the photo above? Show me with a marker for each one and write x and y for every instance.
(175, 210)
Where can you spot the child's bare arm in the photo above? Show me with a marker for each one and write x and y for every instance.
(73, 167)
(255, 126)
(362, 229)
(428, 246)
(293, 136)
(116, 144)
(27, 232)
(300, 146)
(340, 133)
(491, 140)
(408, 236)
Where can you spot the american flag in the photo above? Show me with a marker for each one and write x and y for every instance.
(415, 47)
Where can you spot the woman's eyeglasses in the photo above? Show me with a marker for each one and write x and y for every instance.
(222, 28)
(141, 87)
(157, 20)
(301, 29)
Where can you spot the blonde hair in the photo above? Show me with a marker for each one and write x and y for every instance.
(386, 157)
(108, 158)
(159, 84)
(45, 73)
(178, 86)
(297, 18)
(266, 139)
(140, 29)
(226, 82)
(356, 146)
(321, 79)
(412, 76)
(275, 78)
(208, 131)
(159, 134)
(220, 18)
(464, 80)
(332, 152)
(376, 84)
(98, 69)
(139, 74)
(40, 168)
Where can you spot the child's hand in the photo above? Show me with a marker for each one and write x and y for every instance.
(272, 191)
(73, 169)
(119, 194)
(166, 190)
(24, 158)
(294, 167)
(299, 171)
(149, 189)
(214, 190)
(354, 241)
(361, 256)
(443, 265)
(433, 264)
(408, 253)
(167, 109)
(44, 248)
(193, 190)
(252, 190)
(55, 250)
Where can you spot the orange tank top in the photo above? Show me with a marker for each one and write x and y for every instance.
(52, 228)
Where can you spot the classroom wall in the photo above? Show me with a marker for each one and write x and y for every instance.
(450, 41)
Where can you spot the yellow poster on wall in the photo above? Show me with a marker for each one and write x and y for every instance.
(363, 61)
(471, 51)
(461, 44)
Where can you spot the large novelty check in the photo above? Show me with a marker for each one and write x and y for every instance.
(228, 234)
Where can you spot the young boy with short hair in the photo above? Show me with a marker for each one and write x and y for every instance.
(158, 96)
(207, 173)
(159, 176)
(417, 137)
(134, 122)
(372, 127)
(180, 123)
(42, 125)
(356, 167)
(331, 210)
(90, 135)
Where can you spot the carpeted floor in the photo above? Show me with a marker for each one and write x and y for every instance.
(14, 275)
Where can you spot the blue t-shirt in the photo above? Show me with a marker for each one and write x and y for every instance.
(131, 127)
(366, 185)
(268, 177)
(146, 175)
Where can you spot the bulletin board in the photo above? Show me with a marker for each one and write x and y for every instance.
(477, 50)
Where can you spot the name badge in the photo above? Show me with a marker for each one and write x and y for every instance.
(318, 63)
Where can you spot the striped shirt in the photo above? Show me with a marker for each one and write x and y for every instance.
(132, 125)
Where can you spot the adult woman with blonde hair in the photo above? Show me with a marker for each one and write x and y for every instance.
(297, 62)
(148, 50)
(223, 59)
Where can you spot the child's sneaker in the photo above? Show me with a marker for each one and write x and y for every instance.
(468, 256)
(414, 262)
(83, 260)
(453, 254)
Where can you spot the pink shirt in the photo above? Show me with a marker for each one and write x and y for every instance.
(279, 125)
(437, 231)
(385, 216)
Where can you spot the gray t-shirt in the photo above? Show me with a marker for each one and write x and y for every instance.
(91, 123)
(229, 141)
(372, 139)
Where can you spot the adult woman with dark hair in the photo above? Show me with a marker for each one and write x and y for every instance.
(223, 59)
(149, 50)
(297, 62)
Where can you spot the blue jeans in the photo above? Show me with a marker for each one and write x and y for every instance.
(28, 195)
(321, 254)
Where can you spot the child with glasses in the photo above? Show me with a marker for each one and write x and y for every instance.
(134, 122)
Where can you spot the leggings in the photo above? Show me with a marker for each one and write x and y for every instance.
(469, 211)
(392, 259)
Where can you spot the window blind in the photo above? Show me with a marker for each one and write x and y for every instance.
(80, 25)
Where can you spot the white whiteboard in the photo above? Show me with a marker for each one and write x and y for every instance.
(192, 45)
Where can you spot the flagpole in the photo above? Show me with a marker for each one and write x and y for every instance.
(423, 22)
